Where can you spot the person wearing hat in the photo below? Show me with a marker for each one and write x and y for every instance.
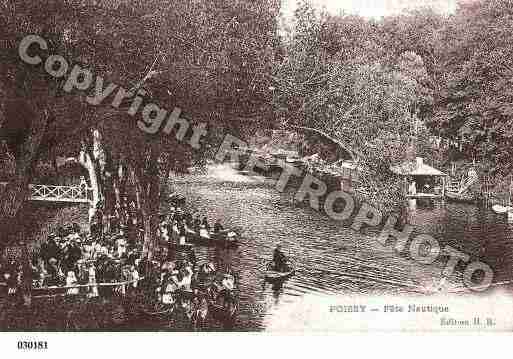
(93, 290)
(228, 282)
(121, 244)
(279, 259)
(54, 272)
(170, 284)
(73, 254)
(188, 219)
(163, 229)
(132, 257)
(227, 287)
(50, 249)
(205, 223)
(71, 280)
(182, 232)
(134, 276)
(218, 227)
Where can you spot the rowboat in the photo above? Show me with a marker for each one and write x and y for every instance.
(293, 161)
(158, 309)
(497, 208)
(224, 238)
(274, 276)
(504, 210)
(176, 199)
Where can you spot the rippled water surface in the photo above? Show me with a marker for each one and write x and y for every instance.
(330, 259)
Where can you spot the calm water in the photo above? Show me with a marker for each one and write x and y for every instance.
(330, 259)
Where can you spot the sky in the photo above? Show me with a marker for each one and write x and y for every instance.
(374, 8)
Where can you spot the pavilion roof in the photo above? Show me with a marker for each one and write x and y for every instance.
(414, 168)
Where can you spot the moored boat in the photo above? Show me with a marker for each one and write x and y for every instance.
(274, 276)
(461, 197)
(158, 309)
(497, 208)
(224, 238)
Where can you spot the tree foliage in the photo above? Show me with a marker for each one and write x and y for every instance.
(208, 58)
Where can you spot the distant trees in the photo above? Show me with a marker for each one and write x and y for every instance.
(476, 99)
(341, 77)
(469, 66)
(366, 82)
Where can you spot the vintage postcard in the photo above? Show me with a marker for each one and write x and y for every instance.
(271, 166)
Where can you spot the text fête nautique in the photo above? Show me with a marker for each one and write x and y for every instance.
(389, 308)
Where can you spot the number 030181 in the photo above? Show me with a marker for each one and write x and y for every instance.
(32, 345)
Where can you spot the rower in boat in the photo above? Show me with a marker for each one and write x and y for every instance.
(279, 260)
(218, 227)
(205, 223)
(203, 232)
(226, 288)
(188, 219)
(181, 232)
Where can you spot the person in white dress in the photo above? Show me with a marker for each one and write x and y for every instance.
(134, 277)
(121, 244)
(71, 280)
(93, 290)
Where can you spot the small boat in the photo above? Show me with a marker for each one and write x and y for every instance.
(497, 208)
(159, 310)
(507, 210)
(176, 198)
(461, 197)
(293, 160)
(173, 243)
(224, 238)
(274, 276)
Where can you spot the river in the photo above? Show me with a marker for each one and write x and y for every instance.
(331, 260)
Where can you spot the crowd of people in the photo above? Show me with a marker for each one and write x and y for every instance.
(104, 262)
(181, 279)
(77, 262)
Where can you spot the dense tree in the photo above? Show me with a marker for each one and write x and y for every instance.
(209, 59)
(475, 103)
(340, 79)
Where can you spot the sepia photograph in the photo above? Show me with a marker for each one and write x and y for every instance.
(262, 166)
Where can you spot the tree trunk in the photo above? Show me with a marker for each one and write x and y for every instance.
(147, 178)
(14, 194)
(351, 151)
(87, 162)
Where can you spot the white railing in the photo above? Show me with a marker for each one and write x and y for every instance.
(50, 193)
(59, 193)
